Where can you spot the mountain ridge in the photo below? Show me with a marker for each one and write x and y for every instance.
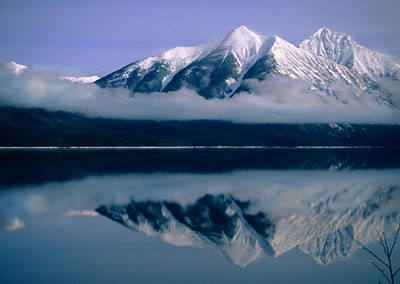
(343, 49)
(220, 68)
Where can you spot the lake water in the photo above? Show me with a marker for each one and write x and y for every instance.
(196, 215)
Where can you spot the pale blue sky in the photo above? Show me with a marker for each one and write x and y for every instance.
(99, 36)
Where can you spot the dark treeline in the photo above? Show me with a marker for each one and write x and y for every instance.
(36, 127)
(35, 167)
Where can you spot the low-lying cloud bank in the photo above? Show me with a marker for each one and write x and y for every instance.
(278, 100)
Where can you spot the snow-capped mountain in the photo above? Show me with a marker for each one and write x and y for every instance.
(342, 49)
(19, 68)
(80, 80)
(15, 67)
(224, 224)
(221, 67)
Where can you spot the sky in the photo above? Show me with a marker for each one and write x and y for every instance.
(96, 37)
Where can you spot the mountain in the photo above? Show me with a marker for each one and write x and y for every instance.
(19, 68)
(223, 67)
(225, 224)
(342, 49)
(15, 67)
(228, 66)
(81, 80)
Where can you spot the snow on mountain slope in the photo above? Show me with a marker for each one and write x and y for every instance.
(154, 73)
(285, 59)
(214, 67)
(218, 69)
(15, 67)
(243, 42)
(81, 80)
(342, 49)
(18, 69)
(221, 72)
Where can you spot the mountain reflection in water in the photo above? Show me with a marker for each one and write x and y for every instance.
(242, 213)
(223, 223)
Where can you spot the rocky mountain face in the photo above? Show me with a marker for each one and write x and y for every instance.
(223, 67)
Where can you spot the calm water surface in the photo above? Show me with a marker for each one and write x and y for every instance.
(196, 216)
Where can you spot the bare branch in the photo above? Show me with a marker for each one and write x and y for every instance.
(382, 272)
(374, 255)
(394, 274)
(386, 245)
(381, 242)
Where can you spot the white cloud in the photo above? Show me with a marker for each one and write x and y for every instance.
(277, 100)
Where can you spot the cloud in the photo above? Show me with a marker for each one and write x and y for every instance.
(392, 87)
(278, 100)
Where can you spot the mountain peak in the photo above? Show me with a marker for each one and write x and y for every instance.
(343, 49)
(333, 45)
(17, 68)
(240, 35)
(324, 32)
(218, 69)
(243, 43)
(241, 29)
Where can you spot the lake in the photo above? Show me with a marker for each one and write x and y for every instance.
(196, 215)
